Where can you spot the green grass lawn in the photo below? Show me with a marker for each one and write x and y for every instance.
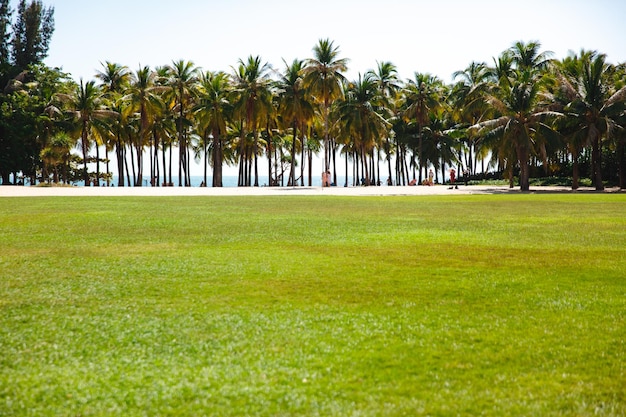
(304, 306)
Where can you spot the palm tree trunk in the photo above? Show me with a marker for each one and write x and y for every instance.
(596, 157)
(523, 158)
(169, 182)
(256, 151)
(310, 155)
(119, 152)
(85, 150)
(206, 157)
(420, 152)
(126, 165)
(106, 156)
(575, 170)
(292, 175)
(302, 156)
(347, 157)
(139, 165)
(132, 162)
(157, 172)
(97, 182)
(217, 160)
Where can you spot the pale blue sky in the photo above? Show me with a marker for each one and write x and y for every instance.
(438, 37)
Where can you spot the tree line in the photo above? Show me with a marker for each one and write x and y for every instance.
(524, 115)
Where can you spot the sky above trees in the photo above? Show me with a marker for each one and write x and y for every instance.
(426, 36)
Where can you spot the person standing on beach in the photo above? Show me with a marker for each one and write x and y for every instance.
(431, 174)
(326, 179)
(453, 178)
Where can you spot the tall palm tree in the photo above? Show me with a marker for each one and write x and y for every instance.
(423, 96)
(593, 109)
(521, 122)
(323, 77)
(115, 79)
(213, 112)
(468, 102)
(87, 107)
(295, 105)
(388, 85)
(182, 79)
(57, 153)
(362, 115)
(254, 100)
(145, 100)
(526, 56)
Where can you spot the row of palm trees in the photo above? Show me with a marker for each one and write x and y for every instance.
(525, 111)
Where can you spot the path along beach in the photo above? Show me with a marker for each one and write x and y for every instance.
(39, 191)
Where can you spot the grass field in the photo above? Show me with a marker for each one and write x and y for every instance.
(313, 306)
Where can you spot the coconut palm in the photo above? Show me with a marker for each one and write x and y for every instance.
(388, 84)
(57, 154)
(323, 78)
(526, 56)
(521, 122)
(182, 78)
(87, 107)
(593, 109)
(213, 113)
(114, 77)
(253, 102)
(294, 106)
(423, 95)
(469, 105)
(362, 115)
(144, 97)
(114, 80)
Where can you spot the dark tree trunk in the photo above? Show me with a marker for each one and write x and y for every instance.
(575, 171)
(621, 157)
(119, 153)
(597, 164)
(217, 160)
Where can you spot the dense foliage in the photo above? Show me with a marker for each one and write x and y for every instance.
(527, 115)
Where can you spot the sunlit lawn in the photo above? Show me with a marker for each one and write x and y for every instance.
(300, 306)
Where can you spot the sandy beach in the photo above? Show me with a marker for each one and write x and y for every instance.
(28, 191)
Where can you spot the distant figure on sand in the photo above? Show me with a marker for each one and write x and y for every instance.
(326, 179)
(431, 174)
(413, 182)
(453, 178)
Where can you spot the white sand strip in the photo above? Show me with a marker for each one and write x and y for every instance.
(27, 191)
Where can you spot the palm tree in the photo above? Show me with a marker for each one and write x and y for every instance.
(213, 111)
(145, 100)
(295, 105)
(423, 96)
(521, 122)
(253, 102)
(182, 78)
(388, 84)
(526, 56)
(362, 115)
(468, 102)
(323, 78)
(57, 153)
(114, 78)
(86, 105)
(593, 109)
